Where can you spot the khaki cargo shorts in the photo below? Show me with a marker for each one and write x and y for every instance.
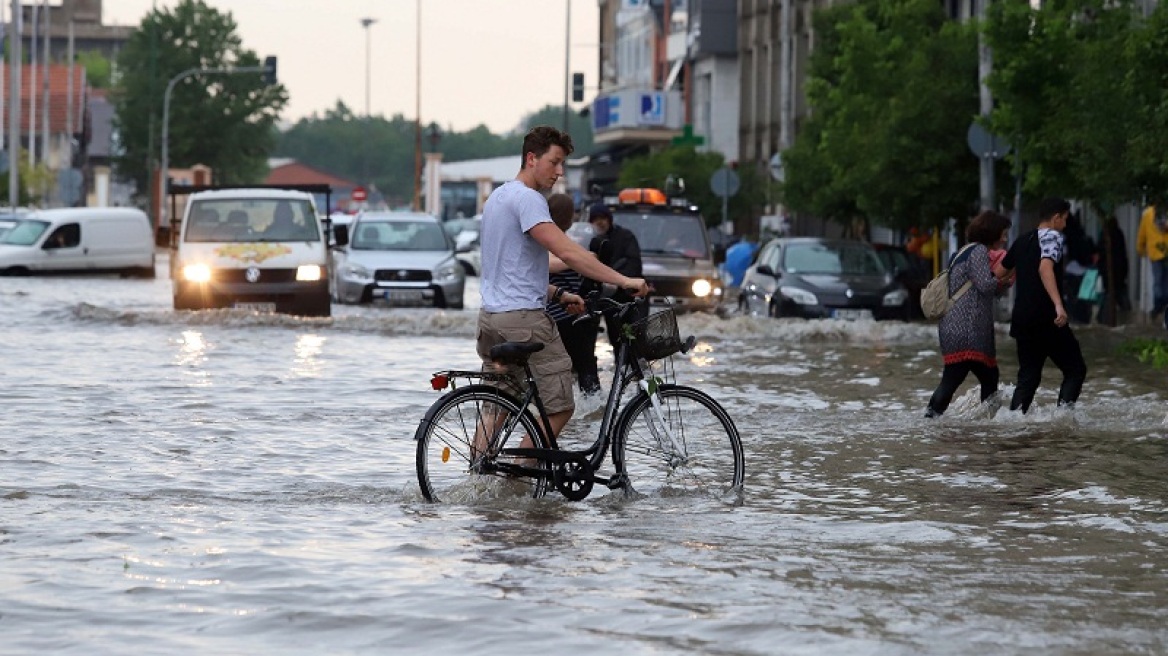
(552, 367)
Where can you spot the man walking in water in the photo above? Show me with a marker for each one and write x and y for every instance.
(1039, 322)
(517, 234)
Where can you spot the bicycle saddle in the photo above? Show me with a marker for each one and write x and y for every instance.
(514, 352)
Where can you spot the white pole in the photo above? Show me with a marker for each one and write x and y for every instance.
(14, 48)
(4, 136)
(46, 129)
(69, 98)
(32, 70)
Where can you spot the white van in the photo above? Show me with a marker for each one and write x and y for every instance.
(251, 248)
(77, 240)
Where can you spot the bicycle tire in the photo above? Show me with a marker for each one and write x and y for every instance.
(446, 436)
(711, 462)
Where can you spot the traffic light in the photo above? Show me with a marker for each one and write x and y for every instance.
(269, 71)
(577, 87)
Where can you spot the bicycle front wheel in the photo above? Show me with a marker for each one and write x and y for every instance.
(459, 445)
(678, 441)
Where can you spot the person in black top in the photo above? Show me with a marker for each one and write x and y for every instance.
(618, 248)
(577, 333)
(1039, 322)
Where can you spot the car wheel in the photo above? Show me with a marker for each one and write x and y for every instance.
(466, 266)
(774, 310)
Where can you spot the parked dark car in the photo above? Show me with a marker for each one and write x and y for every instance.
(910, 270)
(810, 277)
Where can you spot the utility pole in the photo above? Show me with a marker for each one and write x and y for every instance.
(46, 129)
(32, 70)
(14, 58)
(985, 65)
(567, 58)
(417, 204)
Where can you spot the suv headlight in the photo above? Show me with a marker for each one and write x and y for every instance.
(799, 296)
(701, 287)
(895, 297)
(354, 270)
(447, 271)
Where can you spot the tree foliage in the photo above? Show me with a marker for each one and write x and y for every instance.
(379, 152)
(893, 86)
(97, 68)
(225, 121)
(1081, 90)
(695, 169)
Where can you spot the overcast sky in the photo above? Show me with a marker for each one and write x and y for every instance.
(482, 61)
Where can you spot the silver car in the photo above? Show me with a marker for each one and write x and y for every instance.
(398, 259)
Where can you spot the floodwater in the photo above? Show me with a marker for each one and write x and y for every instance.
(232, 483)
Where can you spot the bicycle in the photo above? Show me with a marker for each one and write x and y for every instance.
(667, 439)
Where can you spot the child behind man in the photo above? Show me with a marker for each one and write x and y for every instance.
(577, 334)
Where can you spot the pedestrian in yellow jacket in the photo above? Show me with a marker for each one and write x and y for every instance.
(1152, 243)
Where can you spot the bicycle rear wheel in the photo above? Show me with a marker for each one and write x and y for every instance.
(459, 441)
(687, 444)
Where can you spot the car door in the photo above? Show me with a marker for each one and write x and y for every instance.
(63, 250)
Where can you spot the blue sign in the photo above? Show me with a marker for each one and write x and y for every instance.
(605, 112)
(652, 109)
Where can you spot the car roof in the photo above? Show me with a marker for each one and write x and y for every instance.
(393, 217)
(252, 192)
(787, 241)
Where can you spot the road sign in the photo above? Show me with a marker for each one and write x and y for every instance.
(984, 144)
(359, 194)
(724, 182)
(777, 172)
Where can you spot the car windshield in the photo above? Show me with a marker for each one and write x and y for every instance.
(251, 219)
(400, 236)
(682, 235)
(840, 258)
(24, 232)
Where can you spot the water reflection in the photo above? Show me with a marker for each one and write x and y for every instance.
(307, 362)
(192, 355)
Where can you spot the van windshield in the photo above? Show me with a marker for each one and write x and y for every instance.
(25, 232)
(251, 220)
(680, 235)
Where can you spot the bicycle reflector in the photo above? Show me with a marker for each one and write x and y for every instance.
(439, 381)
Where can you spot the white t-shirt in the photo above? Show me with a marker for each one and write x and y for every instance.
(514, 266)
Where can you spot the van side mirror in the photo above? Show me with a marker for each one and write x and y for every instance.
(341, 235)
(765, 270)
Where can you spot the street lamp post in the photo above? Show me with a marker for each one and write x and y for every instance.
(165, 170)
(365, 23)
(417, 204)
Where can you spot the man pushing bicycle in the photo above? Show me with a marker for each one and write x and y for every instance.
(517, 234)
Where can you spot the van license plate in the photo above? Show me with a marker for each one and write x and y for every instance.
(257, 307)
(851, 314)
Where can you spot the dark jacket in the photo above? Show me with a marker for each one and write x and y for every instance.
(618, 248)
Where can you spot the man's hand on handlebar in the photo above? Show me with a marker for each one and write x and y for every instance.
(638, 286)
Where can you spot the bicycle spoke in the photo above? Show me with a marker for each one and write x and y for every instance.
(688, 445)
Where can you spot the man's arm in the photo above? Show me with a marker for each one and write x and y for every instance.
(581, 261)
(1046, 274)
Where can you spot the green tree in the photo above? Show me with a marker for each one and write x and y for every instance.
(97, 68)
(894, 87)
(222, 120)
(1079, 88)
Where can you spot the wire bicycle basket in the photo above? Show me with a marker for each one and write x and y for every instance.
(655, 337)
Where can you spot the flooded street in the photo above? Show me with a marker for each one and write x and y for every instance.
(225, 482)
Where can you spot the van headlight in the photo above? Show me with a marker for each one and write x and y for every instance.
(308, 272)
(701, 287)
(197, 273)
(895, 298)
(799, 296)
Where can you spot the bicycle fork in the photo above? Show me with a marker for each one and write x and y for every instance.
(661, 430)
